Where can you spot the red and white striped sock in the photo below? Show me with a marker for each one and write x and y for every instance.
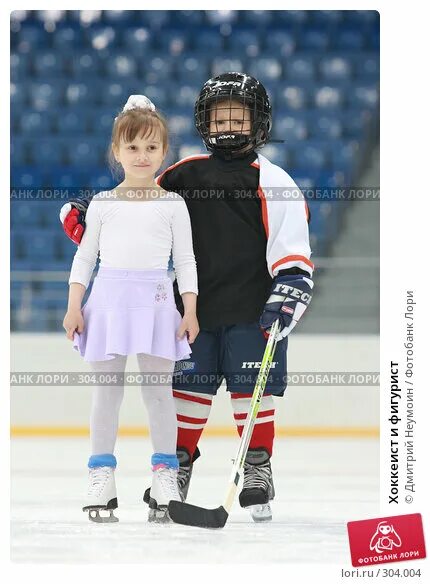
(192, 412)
(264, 429)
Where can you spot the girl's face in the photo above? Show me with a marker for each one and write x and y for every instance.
(142, 157)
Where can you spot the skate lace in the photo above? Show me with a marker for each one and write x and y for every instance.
(183, 476)
(98, 479)
(169, 483)
(257, 476)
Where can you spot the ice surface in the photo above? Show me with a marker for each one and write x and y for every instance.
(320, 485)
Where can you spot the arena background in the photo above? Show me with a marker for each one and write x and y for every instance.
(71, 72)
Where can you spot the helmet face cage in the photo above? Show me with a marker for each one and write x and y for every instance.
(230, 101)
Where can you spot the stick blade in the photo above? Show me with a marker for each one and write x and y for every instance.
(186, 514)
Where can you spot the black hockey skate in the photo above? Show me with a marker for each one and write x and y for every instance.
(184, 474)
(258, 489)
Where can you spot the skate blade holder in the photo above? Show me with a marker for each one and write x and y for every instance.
(94, 515)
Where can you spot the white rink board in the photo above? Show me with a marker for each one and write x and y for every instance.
(320, 485)
(340, 406)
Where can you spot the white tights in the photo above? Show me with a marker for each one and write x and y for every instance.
(158, 400)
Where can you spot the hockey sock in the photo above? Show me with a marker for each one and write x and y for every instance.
(192, 411)
(105, 408)
(159, 402)
(264, 429)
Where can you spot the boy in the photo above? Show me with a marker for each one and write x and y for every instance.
(251, 243)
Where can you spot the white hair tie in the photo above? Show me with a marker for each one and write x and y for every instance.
(138, 102)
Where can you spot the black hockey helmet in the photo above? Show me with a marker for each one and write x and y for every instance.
(241, 88)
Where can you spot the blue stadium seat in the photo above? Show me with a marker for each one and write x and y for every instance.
(303, 178)
(48, 64)
(361, 17)
(219, 17)
(136, 41)
(100, 119)
(86, 64)
(314, 38)
(243, 40)
(312, 155)
(288, 18)
(26, 177)
(21, 215)
(350, 39)
(174, 41)
(154, 19)
(367, 67)
(364, 96)
(325, 125)
(190, 17)
(66, 177)
(344, 154)
(46, 152)
(157, 69)
(45, 96)
(373, 40)
(266, 68)
(331, 179)
(223, 64)
(31, 38)
(281, 43)
(293, 97)
(258, 17)
(193, 67)
(66, 39)
(102, 180)
(72, 122)
(289, 127)
(335, 68)
(121, 66)
(18, 94)
(118, 18)
(207, 40)
(79, 93)
(186, 95)
(327, 17)
(86, 152)
(115, 95)
(101, 38)
(19, 67)
(355, 122)
(35, 123)
(181, 121)
(300, 68)
(19, 151)
(329, 97)
(37, 244)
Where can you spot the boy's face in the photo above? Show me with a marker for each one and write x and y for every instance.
(230, 116)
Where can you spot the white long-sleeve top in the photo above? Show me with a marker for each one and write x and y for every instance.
(137, 235)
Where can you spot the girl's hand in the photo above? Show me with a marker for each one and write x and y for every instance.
(189, 325)
(73, 321)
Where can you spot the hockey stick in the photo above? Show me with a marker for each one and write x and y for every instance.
(187, 514)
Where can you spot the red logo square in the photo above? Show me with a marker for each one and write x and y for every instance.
(386, 539)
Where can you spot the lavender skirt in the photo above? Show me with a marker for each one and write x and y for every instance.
(130, 312)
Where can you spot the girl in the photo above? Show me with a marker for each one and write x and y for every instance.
(131, 308)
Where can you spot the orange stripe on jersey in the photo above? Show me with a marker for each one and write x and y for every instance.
(264, 210)
(183, 161)
(293, 258)
(307, 211)
(255, 164)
